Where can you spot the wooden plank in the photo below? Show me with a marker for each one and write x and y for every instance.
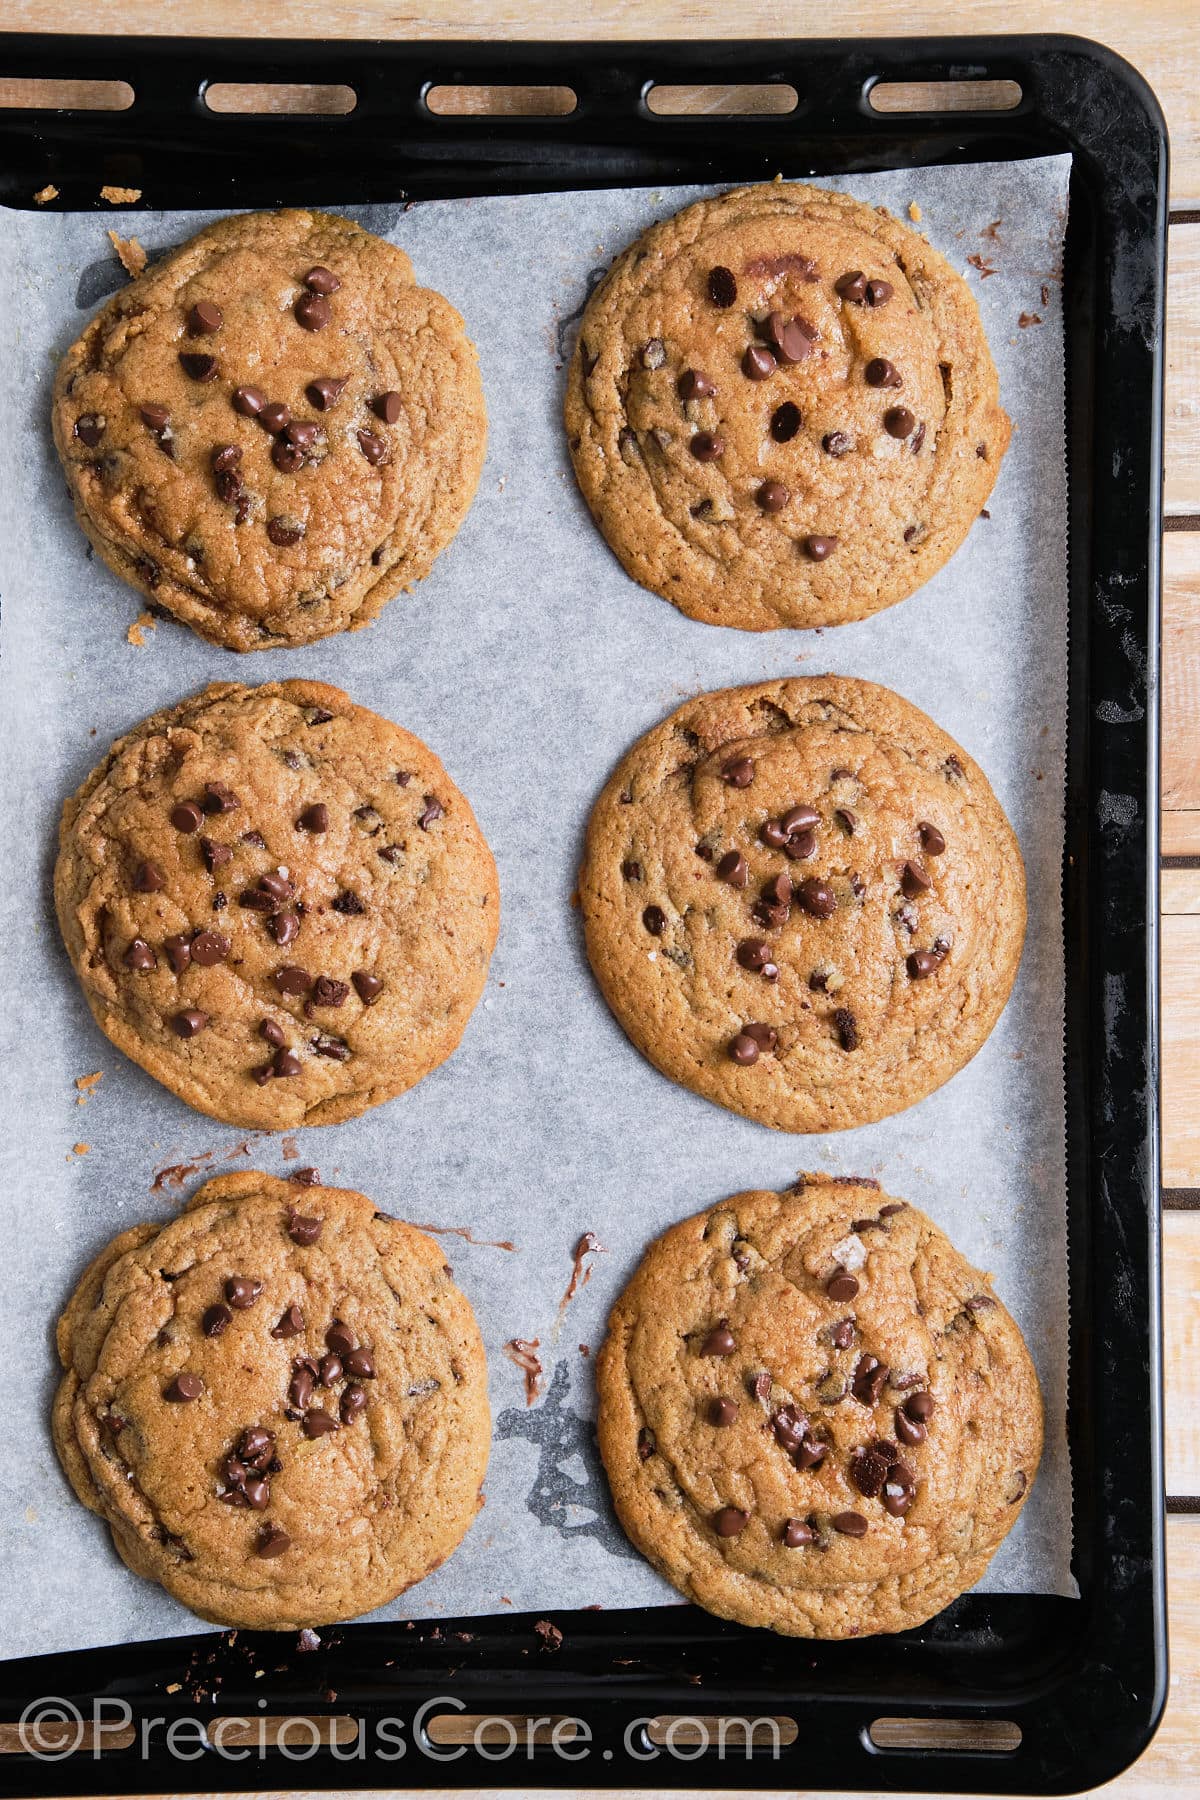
(1181, 1351)
(1181, 690)
(1158, 39)
(1182, 421)
(1181, 1050)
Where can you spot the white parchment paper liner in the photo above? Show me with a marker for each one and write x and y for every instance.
(529, 661)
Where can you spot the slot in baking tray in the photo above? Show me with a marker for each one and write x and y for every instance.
(1000, 1693)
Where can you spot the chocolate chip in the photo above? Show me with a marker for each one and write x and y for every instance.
(285, 1064)
(140, 956)
(796, 1534)
(215, 855)
(842, 1335)
(249, 401)
(817, 898)
(777, 891)
(148, 878)
(313, 311)
(738, 771)
(841, 1286)
(367, 987)
(303, 1230)
(758, 364)
(325, 391)
(846, 819)
(185, 1386)
(314, 817)
(272, 1541)
(722, 288)
(785, 422)
(242, 1291)
(302, 433)
(921, 964)
(432, 811)
(90, 428)
(836, 443)
(850, 1524)
(655, 920)
(353, 1402)
(154, 417)
(878, 293)
(360, 1363)
(284, 927)
(852, 286)
(205, 319)
(932, 841)
(187, 817)
(743, 1049)
(328, 992)
(898, 422)
(198, 368)
(189, 1024)
(734, 869)
(799, 818)
(335, 1048)
(720, 1341)
(706, 446)
(729, 1521)
(791, 339)
(292, 980)
(209, 948)
(908, 1430)
(217, 798)
(693, 384)
(330, 1370)
(753, 953)
(178, 950)
(288, 458)
(818, 548)
(291, 1323)
(275, 417)
(276, 884)
(321, 280)
(870, 1379)
(387, 407)
(868, 1470)
(921, 1405)
(880, 373)
(340, 1339)
(914, 881)
(846, 1026)
(373, 448)
(215, 1319)
(790, 1427)
(772, 496)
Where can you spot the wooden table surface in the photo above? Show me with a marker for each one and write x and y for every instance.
(1160, 37)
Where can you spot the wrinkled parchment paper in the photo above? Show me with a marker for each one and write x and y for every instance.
(529, 661)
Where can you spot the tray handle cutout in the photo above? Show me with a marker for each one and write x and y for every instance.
(499, 101)
(737, 99)
(329, 101)
(996, 1736)
(36, 93)
(944, 96)
(730, 1735)
(502, 1731)
(298, 1732)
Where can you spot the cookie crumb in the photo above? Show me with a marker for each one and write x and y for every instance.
(1027, 319)
(44, 195)
(132, 257)
(136, 635)
(120, 196)
(81, 1149)
(86, 1085)
(550, 1635)
(914, 212)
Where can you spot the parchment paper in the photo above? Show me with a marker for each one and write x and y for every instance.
(529, 661)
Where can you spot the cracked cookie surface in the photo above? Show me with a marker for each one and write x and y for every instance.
(277, 902)
(273, 430)
(782, 409)
(198, 1356)
(814, 1414)
(802, 900)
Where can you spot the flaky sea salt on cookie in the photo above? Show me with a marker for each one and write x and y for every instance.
(782, 409)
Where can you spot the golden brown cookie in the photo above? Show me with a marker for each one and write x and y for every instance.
(274, 429)
(782, 409)
(278, 903)
(814, 1414)
(803, 900)
(278, 1401)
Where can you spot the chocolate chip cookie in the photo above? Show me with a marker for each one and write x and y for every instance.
(273, 430)
(814, 1414)
(278, 903)
(278, 1401)
(782, 409)
(803, 900)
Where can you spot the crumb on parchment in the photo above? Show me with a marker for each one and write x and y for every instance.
(120, 196)
(136, 634)
(914, 212)
(81, 1149)
(86, 1085)
(44, 195)
(132, 257)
